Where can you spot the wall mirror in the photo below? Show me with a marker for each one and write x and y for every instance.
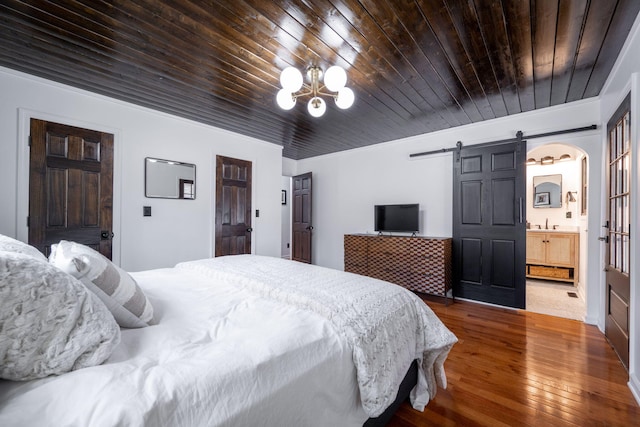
(167, 179)
(547, 191)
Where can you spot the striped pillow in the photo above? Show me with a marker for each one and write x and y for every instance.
(114, 286)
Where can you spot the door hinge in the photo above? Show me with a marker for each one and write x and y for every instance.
(29, 140)
(28, 221)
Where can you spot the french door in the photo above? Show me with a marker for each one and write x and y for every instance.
(618, 229)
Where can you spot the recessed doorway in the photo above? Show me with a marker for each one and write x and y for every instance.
(556, 231)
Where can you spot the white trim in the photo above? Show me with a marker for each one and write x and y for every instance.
(634, 255)
(22, 198)
(634, 386)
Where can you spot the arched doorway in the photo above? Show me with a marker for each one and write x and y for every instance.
(556, 230)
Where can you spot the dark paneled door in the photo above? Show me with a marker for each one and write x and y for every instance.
(233, 206)
(618, 238)
(70, 186)
(302, 228)
(489, 246)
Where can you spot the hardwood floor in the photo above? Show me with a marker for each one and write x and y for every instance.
(517, 368)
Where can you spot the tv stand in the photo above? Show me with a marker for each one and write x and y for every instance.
(421, 264)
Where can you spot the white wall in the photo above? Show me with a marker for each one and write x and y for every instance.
(346, 185)
(624, 79)
(570, 172)
(178, 229)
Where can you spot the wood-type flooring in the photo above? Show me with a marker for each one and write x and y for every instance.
(517, 368)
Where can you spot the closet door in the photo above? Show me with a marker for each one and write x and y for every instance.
(70, 186)
(489, 233)
(233, 206)
(302, 226)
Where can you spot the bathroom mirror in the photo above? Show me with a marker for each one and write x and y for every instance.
(547, 191)
(168, 179)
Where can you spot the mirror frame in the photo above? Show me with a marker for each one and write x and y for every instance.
(186, 187)
(547, 199)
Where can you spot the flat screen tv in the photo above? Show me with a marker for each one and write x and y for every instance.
(397, 218)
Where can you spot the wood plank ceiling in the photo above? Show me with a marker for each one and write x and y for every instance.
(416, 66)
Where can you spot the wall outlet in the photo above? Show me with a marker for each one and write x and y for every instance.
(568, 214)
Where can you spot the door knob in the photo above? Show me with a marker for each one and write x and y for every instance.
(310, 227)
(249, 230)
(604, 239)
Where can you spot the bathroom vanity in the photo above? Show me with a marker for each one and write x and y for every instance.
(553, 255)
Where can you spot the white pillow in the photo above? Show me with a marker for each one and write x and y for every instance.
(12, 245)
(114, 286)
(49, 322)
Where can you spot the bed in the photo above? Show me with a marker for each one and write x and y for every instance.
(249, 340)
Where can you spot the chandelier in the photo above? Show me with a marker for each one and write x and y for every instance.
(334, 80)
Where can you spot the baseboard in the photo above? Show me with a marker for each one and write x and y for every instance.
(634, 385)
(591, 320)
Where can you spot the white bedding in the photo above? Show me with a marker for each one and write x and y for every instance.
(219, 355)
(387, 327)
(239, 343)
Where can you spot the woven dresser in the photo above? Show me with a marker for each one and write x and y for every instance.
(421, 264)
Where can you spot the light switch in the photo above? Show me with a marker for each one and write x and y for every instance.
(146, 211)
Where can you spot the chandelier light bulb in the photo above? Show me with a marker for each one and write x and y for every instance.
(285, 99)
(335, 78)
(345, 98)
(316, 106)
(291, 79)
(294, 87)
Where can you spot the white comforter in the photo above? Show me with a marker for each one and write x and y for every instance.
(386, 326)
(247, 341)
(219, 356)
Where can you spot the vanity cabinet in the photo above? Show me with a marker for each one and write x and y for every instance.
(553, 255)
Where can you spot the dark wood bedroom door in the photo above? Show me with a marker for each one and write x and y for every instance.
(70, 186)
(618, 228)
(302, 227)
(489, 232)
(233, 206)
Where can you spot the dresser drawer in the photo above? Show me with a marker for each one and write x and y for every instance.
(417, 263)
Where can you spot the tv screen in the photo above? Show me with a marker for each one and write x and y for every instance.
(397, 218)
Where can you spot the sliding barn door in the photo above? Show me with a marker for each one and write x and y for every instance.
(489, 235)
(70, 186)
(233, 206)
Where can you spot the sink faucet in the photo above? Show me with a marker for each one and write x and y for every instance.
(555, 227)
(546, 224)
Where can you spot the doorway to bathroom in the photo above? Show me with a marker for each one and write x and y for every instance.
(556, 227)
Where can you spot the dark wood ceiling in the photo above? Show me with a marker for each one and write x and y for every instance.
(415, 66)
